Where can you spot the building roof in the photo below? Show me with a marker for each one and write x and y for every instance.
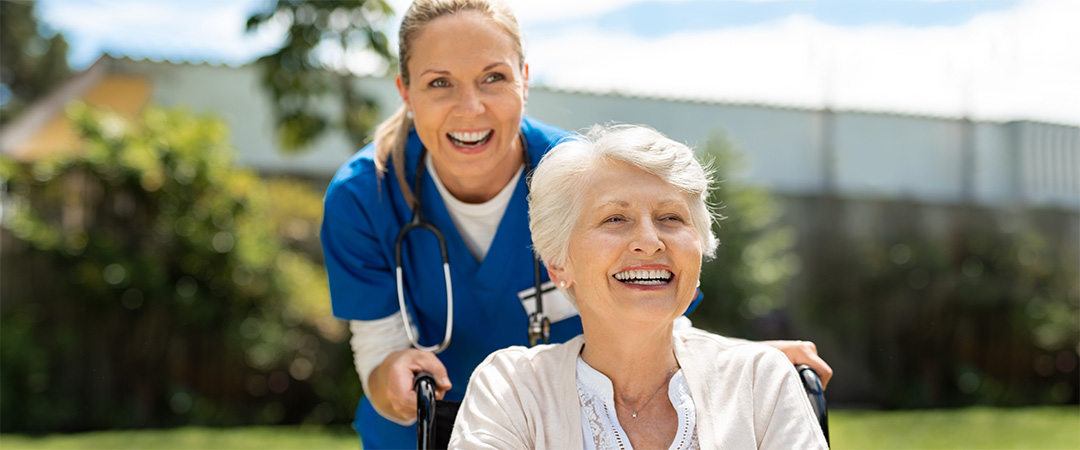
(43, 129)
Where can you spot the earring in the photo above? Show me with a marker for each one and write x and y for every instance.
(698, 283)
(562, 284)
(409, 114)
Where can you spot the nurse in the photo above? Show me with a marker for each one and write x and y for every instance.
(459, 147)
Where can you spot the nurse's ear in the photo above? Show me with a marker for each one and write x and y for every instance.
(403, 90)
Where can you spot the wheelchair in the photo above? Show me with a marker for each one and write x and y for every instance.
(435, 418)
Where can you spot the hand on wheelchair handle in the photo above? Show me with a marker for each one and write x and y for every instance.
(392, 383)
(805, 353)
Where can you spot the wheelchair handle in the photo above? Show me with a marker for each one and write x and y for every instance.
(816, 393)
(424, 384)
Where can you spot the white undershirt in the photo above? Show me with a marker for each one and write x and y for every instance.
(600, 422)
(476, 222)
(373, 340)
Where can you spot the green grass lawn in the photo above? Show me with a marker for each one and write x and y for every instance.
(253, 438)
(974, 428)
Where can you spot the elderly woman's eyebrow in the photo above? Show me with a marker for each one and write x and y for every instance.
(620, 203)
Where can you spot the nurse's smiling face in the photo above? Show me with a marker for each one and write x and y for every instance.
(634, 254)
(467, 90)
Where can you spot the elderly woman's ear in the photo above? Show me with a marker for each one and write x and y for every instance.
(560, 276)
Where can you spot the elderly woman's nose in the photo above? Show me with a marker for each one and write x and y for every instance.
(469, 102)
(646, 239)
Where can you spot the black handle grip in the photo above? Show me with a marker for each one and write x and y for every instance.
(424, 384)
(816, 393)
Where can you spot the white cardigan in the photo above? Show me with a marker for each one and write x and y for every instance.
(747, 396)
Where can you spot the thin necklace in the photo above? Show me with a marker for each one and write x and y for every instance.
(668, 377)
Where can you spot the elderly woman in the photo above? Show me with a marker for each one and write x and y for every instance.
(621, 221)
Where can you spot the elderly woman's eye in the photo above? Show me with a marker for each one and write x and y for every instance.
(614, 219)
(673, 218)
(439, 83)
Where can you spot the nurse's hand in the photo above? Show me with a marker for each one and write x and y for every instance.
(804, 352)
(391, 383)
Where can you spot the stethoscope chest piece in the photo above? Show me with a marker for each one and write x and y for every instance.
(539, 328)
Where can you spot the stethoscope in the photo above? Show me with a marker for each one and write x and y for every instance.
(539, 324)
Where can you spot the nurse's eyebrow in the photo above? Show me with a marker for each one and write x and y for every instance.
(447, 72)
(434, 71)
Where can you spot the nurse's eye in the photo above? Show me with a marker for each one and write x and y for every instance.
(439, 83)
(494, 77)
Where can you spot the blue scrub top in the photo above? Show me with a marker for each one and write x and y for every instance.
(363, 215)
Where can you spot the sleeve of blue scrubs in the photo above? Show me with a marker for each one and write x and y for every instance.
(694, 304)
(361, 276)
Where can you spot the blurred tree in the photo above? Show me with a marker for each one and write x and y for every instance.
(310, 72)
(745, 283)
(148, 282)
(31, 62)
(978, 317)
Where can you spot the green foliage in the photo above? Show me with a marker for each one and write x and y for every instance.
(31, 64)
(148, 282)
(300, 76)
(747, 279)
(980, 316)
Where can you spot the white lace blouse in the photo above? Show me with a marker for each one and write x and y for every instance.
(598, 418)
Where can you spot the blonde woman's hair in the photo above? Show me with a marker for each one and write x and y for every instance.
(393, 133)
(558, 186)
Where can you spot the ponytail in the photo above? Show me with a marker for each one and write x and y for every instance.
(390, 139)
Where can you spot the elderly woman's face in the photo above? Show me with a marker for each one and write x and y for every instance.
(634, 254)
(467, 94)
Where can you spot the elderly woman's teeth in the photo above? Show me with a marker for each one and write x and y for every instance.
(469, 139)
(644, 277)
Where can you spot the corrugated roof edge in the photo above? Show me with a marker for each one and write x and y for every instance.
(174, 61)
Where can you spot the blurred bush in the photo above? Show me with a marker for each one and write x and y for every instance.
(148, 282)
(746, 283)
(985, 314)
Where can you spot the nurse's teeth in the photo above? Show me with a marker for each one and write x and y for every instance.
(469, 137)
(645, 277)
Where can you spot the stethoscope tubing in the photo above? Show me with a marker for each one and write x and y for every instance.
(419, 222)
(539, 325)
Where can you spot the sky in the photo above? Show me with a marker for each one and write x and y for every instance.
(994, 60)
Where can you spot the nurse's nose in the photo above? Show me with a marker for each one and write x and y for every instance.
(646, 240)
(469, 103)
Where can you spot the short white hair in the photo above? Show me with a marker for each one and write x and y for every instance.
(557, 187)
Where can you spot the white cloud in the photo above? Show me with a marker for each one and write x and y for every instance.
(1020, 63)
(173, 30)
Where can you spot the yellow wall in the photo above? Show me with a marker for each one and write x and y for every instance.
(123, 94)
